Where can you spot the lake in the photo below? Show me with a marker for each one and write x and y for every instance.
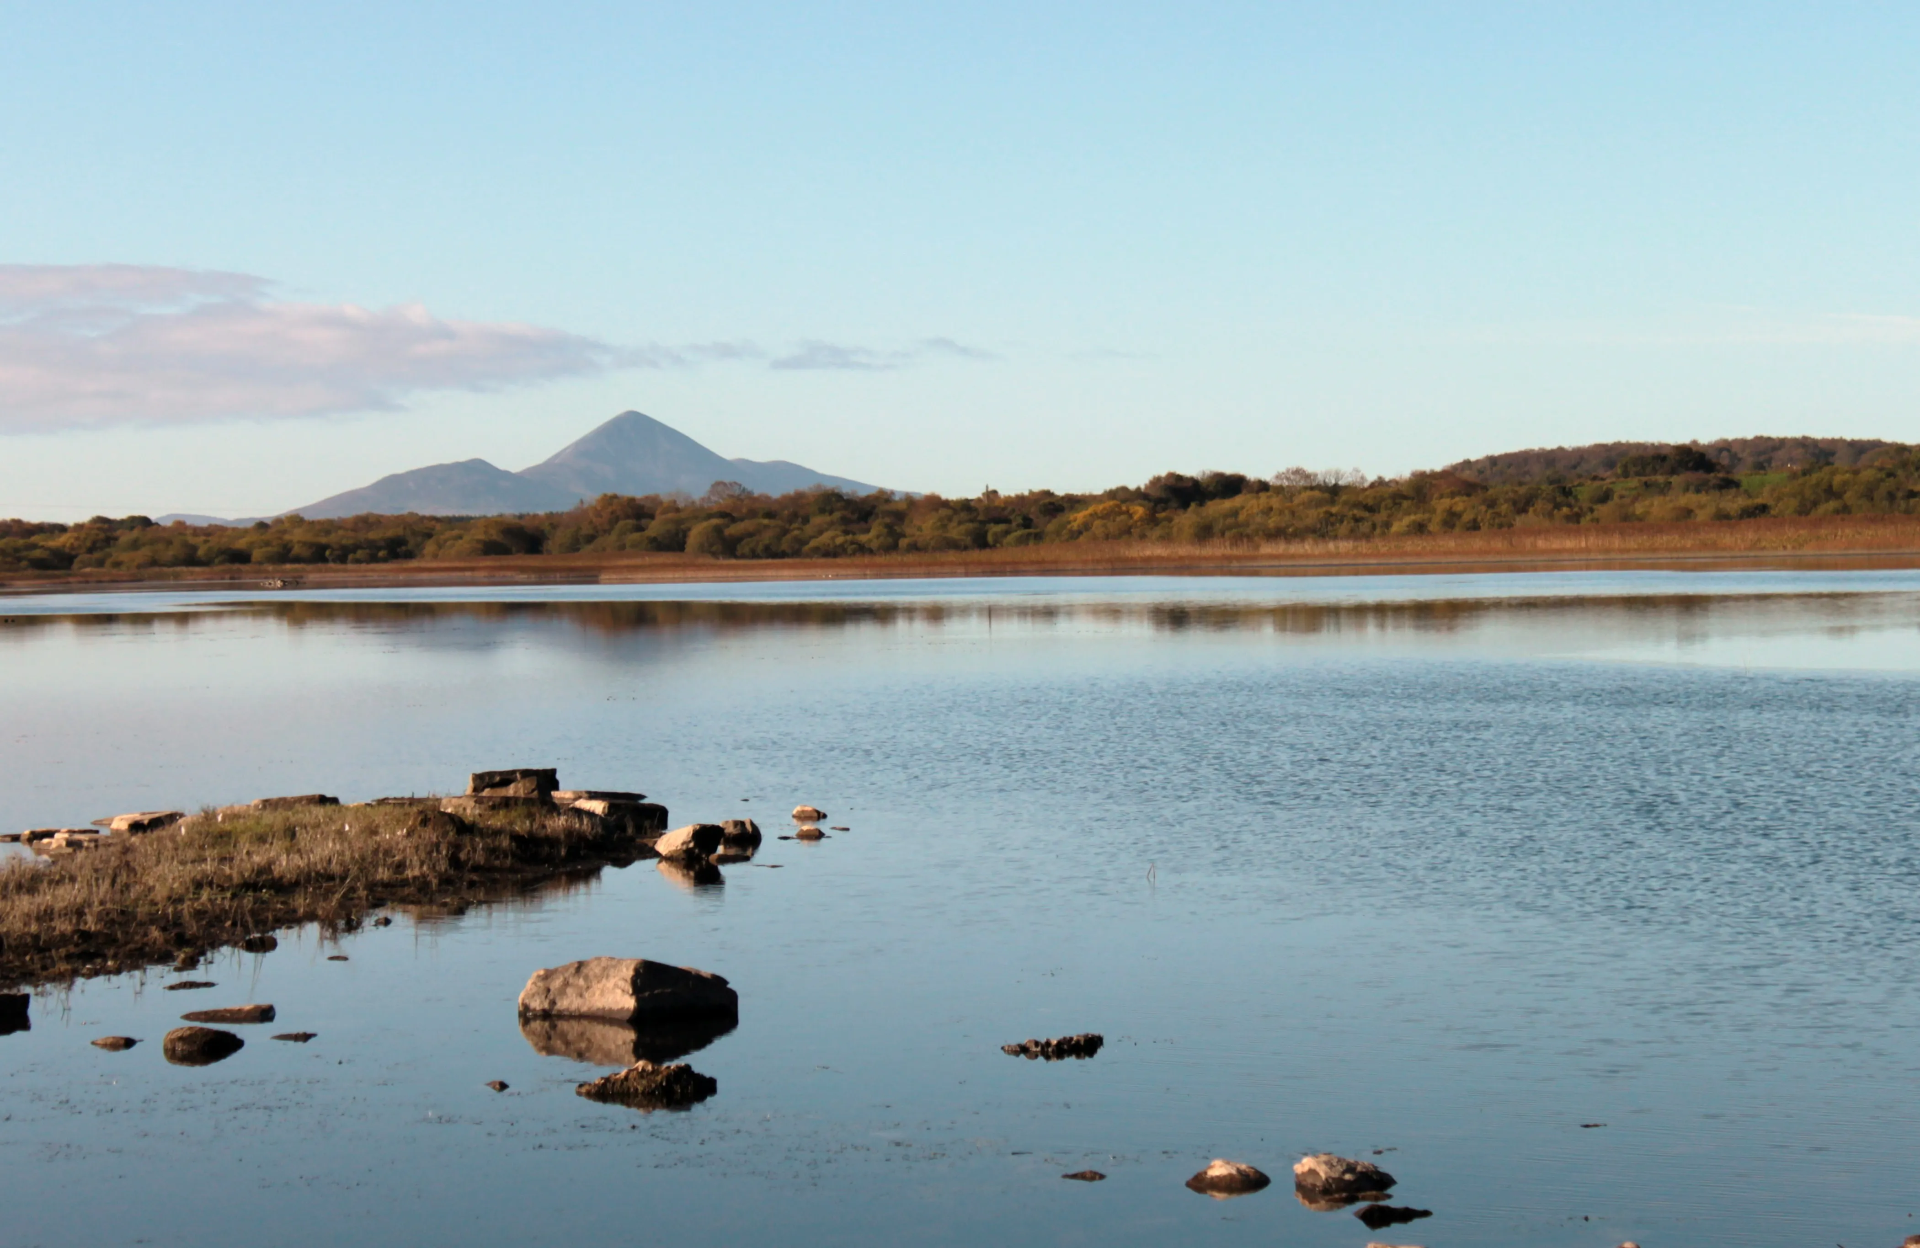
(1432, 871)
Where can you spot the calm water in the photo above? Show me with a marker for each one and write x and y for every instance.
(1442, 866)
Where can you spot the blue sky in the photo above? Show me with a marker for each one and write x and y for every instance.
(938, 247)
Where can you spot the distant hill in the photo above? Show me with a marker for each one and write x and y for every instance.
(1734, 455)
(630, 454)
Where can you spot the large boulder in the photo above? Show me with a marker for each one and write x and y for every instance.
(695, 840)
(1223, 1179)
(625, 990)
(1324, 1176)
(514, 782)
(808, 814)
(739, 833)
(200, 1046)
(645, 1086)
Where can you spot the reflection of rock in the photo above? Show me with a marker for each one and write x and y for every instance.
(200, 1046)
(13, 1013)
(690, 874)
(647, 1087)
(1324, 1181)
(739, 833)
(1223, 1179)
(602, 1042)
(232, 1014)
(514, 782)
(115, 1044)
(1086, 1044)
(1377, 1216)
(626, 990)
(728, 857)
(808, 814)
(695, 840)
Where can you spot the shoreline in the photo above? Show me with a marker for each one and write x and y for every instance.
(1830, 543)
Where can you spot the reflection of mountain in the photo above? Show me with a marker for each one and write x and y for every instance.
(630, 454)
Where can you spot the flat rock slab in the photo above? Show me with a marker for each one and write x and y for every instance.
(568, 796)
(625, 990)
(144, 820)
(232, 1014)
(115, 1044)
(646, 1087)
(200, 1046)
(186, 984)
(1084, 1045)
(1223, 1179)
(515, 782)
(297, 1037)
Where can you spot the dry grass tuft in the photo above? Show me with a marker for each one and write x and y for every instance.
(221, 876)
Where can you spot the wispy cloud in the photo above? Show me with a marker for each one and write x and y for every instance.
(97, 345)
(814, 354)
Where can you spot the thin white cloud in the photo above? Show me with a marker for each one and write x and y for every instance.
(814, 354)
(97, 345)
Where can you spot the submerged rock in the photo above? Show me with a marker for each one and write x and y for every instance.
(1324, 1180)
(647, 1087)
(186, 984)
(1377, 1216)
(297, 1037)
(232, 1014)
(13, 1013)
(514, 782)
(115, 1044)
(626, 990)
(695, 840)
(1085, 1176)
(200, 1046)
(808, 814)
(1223, 1179)
(1083, 1045)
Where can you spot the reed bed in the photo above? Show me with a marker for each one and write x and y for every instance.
(220, 877)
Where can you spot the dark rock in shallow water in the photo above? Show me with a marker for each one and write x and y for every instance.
(338, 957)
(200, 1046)
(185, 984)
(259, 944)
(383, 921)
(1324, 1181)
(498, 1085)
(115, 1044)
(1083, 1045)
(808, 832)
(626, 990)
(232, 1014)
(13, 1013)
(1223, 1179)
(602, 1042)
(514, 782)
(645, 1086)
(298, 1037)
(739, 833)
(1377, 1216)
(1085, 1176)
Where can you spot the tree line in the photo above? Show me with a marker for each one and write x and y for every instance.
(1657, 484)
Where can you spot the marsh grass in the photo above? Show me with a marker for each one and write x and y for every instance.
(223, 875)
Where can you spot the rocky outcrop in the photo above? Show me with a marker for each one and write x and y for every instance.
(13, 1013)
(1083, 1045)
(647, 1087)
(1324, 1177)
(695, 840)
(200, 1046)
(1223, 1179)
(485, 804)
(626, 990)
(808, 814)
(294, 803)
(115, 1044)
(231, 1014)
(514, 782)
(602, 1042)
(739, 833)
(144, 821)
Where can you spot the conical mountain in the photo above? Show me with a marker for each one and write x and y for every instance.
(635, 454)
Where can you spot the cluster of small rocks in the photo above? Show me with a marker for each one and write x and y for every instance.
(1084, 1045)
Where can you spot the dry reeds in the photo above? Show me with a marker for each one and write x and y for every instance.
(221, 876)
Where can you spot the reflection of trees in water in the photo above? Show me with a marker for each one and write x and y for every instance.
(1692, 614)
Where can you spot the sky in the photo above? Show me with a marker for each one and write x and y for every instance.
(252, 255)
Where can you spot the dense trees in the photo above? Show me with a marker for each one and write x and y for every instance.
(1664, 484)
